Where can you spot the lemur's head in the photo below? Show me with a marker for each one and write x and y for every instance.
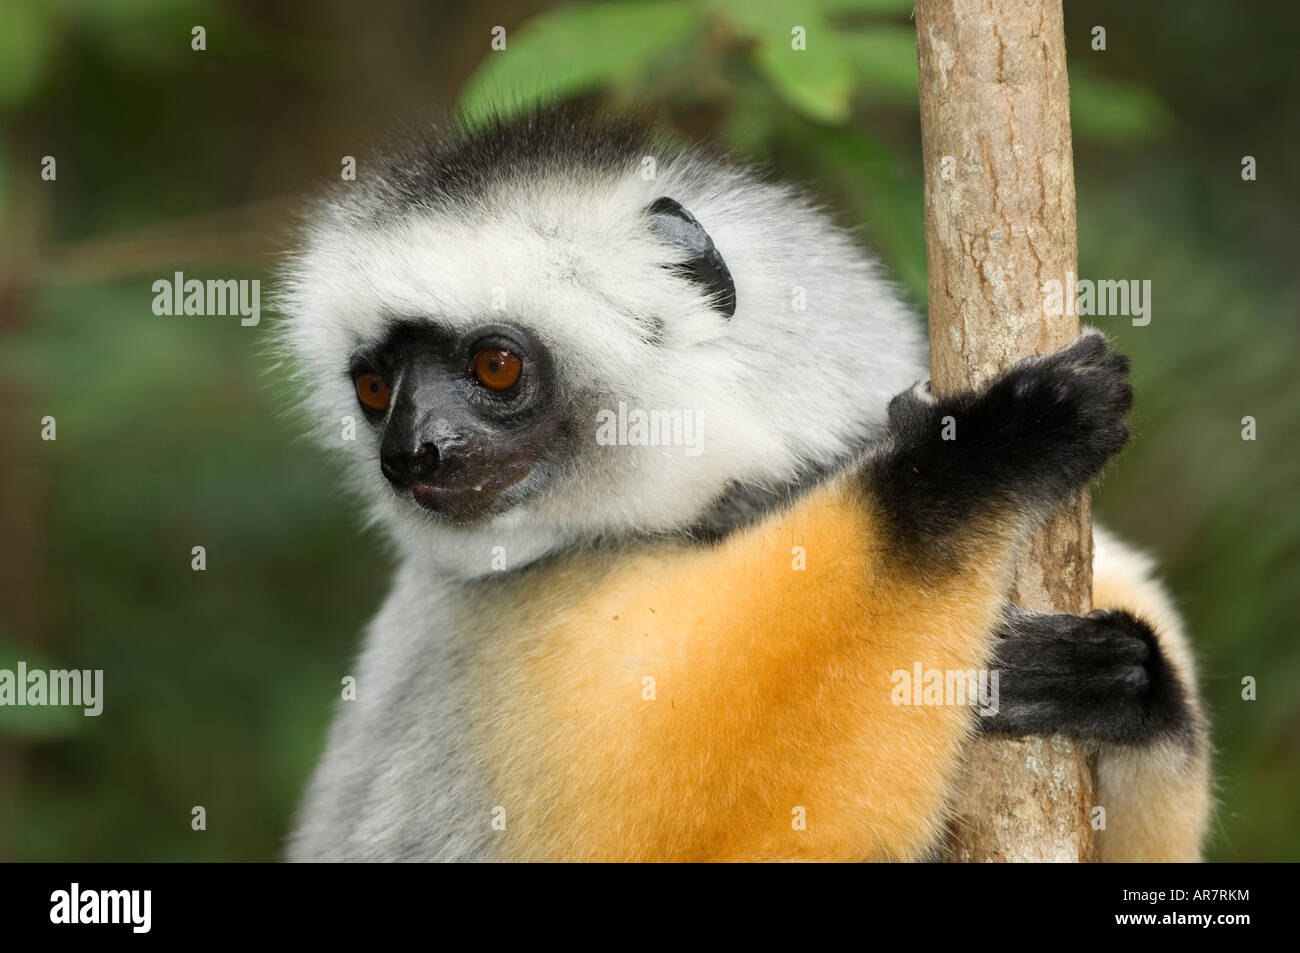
(557, 328)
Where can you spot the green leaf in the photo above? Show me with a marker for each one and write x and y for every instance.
(817, 80)
(574, 49)
(884, 59)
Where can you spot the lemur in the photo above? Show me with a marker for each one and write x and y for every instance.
(633, 649)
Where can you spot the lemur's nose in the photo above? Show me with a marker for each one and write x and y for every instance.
(402, 468)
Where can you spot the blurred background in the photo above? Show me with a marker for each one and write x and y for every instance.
(174, 432)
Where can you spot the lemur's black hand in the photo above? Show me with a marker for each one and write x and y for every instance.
(1025, 442)
(1055, 421)
(1098, 677)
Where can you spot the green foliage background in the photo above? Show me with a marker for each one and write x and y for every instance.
(172, 432)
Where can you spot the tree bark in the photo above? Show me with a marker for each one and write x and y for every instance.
(1000, 223)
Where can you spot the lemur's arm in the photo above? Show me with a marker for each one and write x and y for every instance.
(1122, 680)
(1034, 436)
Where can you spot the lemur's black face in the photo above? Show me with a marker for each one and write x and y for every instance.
(464, 419)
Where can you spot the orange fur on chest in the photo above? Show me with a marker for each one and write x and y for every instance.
(698, 703)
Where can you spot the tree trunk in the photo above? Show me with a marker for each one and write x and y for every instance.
(999, 216)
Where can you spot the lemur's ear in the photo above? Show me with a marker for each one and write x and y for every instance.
(705, 266)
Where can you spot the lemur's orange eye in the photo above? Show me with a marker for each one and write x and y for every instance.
(373, 392)
(497, 369)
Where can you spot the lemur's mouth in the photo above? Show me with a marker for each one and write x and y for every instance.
(464, 500)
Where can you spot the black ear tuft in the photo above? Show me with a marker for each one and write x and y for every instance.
(705, 266)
